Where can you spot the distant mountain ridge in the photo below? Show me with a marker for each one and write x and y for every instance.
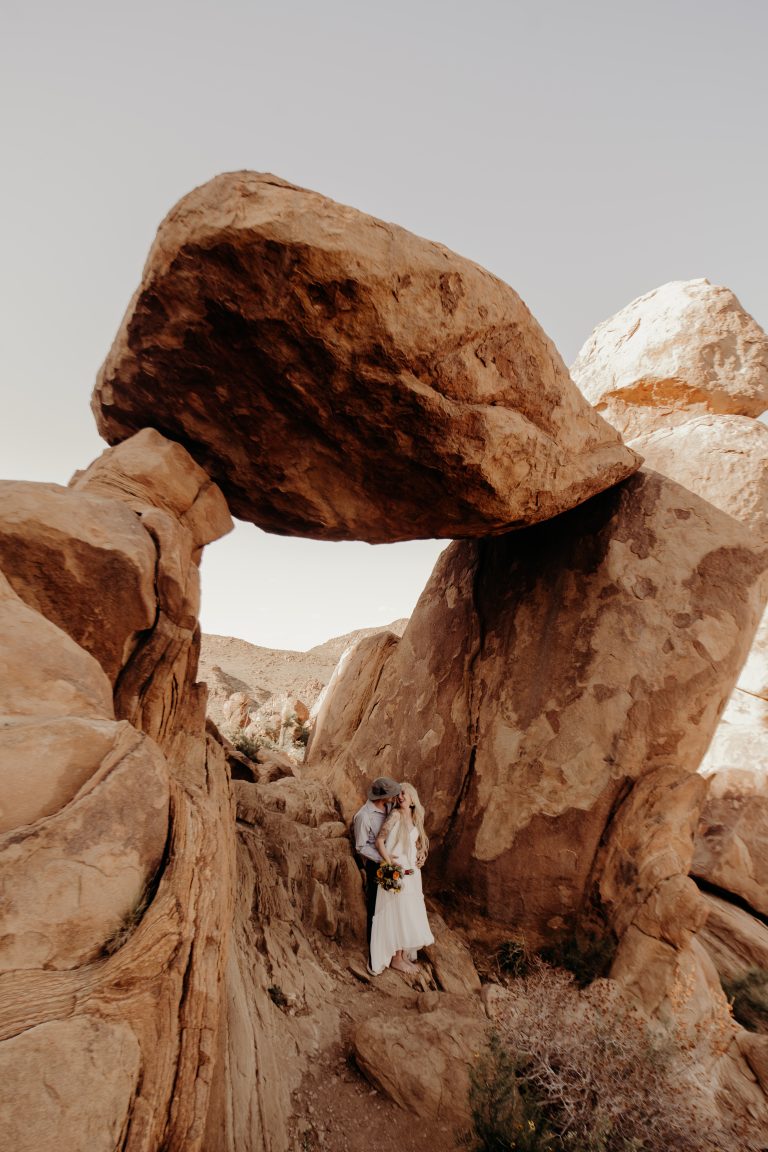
(228, 664)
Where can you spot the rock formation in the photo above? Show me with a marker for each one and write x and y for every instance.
(340, 708)
(560, 774)
(114, 923)
(697, 337)
(683, 372)
(192, 945)
(341, 378)
(507, 703)
(684, 350)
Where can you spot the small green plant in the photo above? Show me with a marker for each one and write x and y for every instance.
(248, 745)
(748, 995)
(505, 1115)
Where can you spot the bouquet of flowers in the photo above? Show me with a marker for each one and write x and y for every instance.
(388, 877)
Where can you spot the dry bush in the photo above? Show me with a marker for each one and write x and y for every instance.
(597, 1074)
(505, 1115)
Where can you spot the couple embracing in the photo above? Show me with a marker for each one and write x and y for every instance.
(389, 829)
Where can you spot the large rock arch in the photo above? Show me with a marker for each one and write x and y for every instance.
(332, 375)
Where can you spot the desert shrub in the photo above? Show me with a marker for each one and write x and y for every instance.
(513, 958)
(587, 956)
(246, 743)
(588, 1073)
(505, 1115)
(748, 995)
(273, 730)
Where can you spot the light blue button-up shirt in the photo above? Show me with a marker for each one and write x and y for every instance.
(367, 825)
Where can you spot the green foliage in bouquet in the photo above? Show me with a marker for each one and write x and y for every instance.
(388, 877)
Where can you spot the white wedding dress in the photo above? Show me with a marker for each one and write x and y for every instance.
(400, 919)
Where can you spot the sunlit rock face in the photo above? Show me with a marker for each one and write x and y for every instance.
(722, 458)
(113, 916)
(83, 561)
(545, 671)
(341, 378)
(684, 371)
(686, 349)
(344, 700)
(551, 697)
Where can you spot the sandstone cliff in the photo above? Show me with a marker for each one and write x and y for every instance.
(192, 946)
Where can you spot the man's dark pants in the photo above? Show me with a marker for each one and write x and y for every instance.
(371, 867)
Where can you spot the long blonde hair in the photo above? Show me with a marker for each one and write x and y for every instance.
(417, 815)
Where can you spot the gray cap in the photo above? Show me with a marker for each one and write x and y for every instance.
(384, 788)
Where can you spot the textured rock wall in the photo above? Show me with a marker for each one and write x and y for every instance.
(557, 688)
(683, 372)
(697, 335)
(544, 672)
(116, 874)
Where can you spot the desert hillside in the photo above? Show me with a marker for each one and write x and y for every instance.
(275, 670)
(228, 665)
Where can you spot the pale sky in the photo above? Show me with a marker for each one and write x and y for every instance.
(585, 152)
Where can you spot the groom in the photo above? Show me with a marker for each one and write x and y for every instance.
(367, 825)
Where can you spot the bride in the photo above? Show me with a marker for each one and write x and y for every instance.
(400, 925)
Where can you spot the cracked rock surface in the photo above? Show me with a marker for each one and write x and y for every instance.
(341, 378)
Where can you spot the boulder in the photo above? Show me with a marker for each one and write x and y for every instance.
(45, 761)
(150, 471)
(301, 710)
(274, 765)
(180, 510)
(422, 1061)
(84, 562)
(72, 882)
(306, 802)
(43, 1071)
(342, 703)
(43, 672)
(683, 350)
(513, 704)
(735, 940)
(451, 960)
(724, 459)
(642, 869)
(341, 378)
(732, 841)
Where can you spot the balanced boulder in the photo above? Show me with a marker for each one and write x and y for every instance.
(341, 378)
